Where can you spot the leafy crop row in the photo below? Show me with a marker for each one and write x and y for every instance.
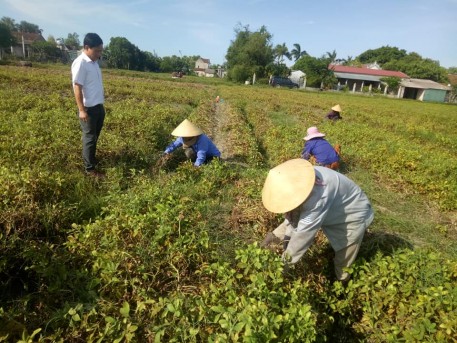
(169, 253)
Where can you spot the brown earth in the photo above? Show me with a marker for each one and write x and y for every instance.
(220, 134)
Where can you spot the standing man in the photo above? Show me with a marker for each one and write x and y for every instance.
(89, 95)
(312, 198)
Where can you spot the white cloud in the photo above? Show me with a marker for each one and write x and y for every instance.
(66, 13)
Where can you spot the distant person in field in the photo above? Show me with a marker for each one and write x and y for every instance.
(197, 146)
(335, 113)
(318, 151)
(89, 95)
(313, 197)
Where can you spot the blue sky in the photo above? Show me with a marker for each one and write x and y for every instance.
(206, 28)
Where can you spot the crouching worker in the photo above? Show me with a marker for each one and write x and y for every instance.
(197, 146)
(319, 151)
(334, 114)
(313, 197)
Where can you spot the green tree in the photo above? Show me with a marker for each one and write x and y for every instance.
(151, 62)
(278, 69)
(331, 56)
(72, 41)
(296, 52)
(382, 55)
(7, 25)
(51, 39)
(10, 23)
(452, 70)
(6, 38)
(188, 63)
(122, 54)
(250, 52)
(280, 51)
(412, 64)
(25, 26)
(240, 73)
(417, 67)
(317, 71)
(119, 53)
(174, 63)
(45, 51)
(392, 83)
(349, 61)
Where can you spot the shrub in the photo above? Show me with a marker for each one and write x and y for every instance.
(410, 296)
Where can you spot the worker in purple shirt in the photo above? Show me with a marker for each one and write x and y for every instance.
(335, 113)
(197, 146)
(319, 151)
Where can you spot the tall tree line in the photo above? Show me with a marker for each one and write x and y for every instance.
(250, 53)
(253, 52)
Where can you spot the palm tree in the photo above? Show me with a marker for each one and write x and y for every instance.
(280, 52)
(297, 53)
(346, 61)
(331, 56)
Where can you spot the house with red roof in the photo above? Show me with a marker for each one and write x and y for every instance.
(356, 78)
(24, 41)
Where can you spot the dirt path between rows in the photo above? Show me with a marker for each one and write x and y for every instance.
(220, 131)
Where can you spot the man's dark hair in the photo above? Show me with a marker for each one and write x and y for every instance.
(92, 40)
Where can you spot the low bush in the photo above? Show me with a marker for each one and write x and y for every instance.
(410, 296)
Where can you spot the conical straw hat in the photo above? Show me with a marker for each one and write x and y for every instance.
(186, 129)
(288, 185)
(336, 108)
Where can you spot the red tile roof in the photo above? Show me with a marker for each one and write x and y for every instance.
(366, 71)
(29, 37)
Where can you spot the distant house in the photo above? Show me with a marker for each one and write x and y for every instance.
(220, 72)
(202, 68)
(356, 78)
(202, 63)
(423, 90)
(373, 65)
(70, 54)
(24, 40)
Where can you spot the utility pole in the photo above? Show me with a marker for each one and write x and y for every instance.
(23, 43)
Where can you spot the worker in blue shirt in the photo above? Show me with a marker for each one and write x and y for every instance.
(318, 150)
(197, 146)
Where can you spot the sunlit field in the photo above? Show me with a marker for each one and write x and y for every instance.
(165, 252)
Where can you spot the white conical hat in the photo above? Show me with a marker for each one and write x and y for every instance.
(288, 185)
(187, 129)
(336, 108)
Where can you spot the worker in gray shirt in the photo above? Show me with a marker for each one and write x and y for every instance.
(313, 197)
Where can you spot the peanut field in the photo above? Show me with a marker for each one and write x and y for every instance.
(166, 252)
